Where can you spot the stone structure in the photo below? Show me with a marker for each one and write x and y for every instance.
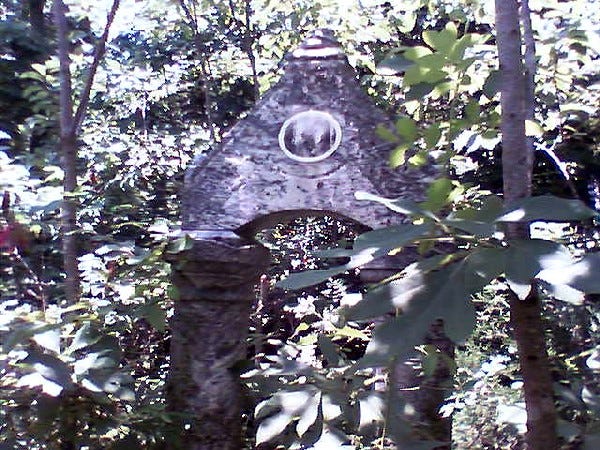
(305, 149)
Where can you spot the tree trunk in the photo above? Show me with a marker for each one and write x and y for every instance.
(70, 122)
(517, 163)
(68, 151)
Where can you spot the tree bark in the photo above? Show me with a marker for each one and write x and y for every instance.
(69, 123)
(517, 163)
(68, 151)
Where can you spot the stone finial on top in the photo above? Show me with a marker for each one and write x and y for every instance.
(321, 44)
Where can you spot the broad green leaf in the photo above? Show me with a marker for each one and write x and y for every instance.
(290, 405)
(329, 351)
(438, 194)
(386, 134)
(473, 111)
(444, 294)
(492, 84)
(49, 339)
(547, 208)
(397, 156)
(351, 333)
(526, 258)
(417, 52)
(314, 432)
(271, 427)
(397, 295)
(432, 135)
(581, 275)
(21, 333)
(154, 314)
(86, 335)
(407, 128)
(419, 159)
(312, 277)
(489, 210)
(309, 414)
(457, 52)
(533, 128)
(50, 367)
(442, 41)
(401, 206)
(434, 61)
(419, 90)
(392, 237)
(418, 74)
(393, 65)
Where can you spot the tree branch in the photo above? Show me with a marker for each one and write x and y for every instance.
(98, 54)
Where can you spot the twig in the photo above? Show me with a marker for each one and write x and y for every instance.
(98, 53)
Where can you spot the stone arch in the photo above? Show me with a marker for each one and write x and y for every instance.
(308, 145)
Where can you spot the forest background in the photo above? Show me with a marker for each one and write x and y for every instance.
(92, 161)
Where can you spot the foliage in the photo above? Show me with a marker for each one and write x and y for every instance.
(93, 374)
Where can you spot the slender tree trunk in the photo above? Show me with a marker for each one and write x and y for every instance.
(69, 122)
(68, 151)
(517, 163)
(36, 16)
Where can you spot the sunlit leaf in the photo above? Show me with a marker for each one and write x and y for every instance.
(442, 40)
(581, 275)
(547, 208)
(526, 258)
(441, 294)
(309, 414)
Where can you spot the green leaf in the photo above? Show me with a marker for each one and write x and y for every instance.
(441, 294)
(457, 52)
(401, 206)
(386, 134)
(392, 237)
(417, 52)
(86, 335)
(526, 258)
(154, 314)
(352, 333)
(443, 40)
(407, 128)
(478, 221)
(473, 111)
(419, 74)
(393, 65)
(434, 61)
(432, 135)
(397, 156)
(533, 128)
(492, 84)
(419, 90)
(419, 159)
(438, 194)
(547, 208)
(310, 414)
(329, 351)
(397, 294)
(50, 367)
(311, 277)
(581, 275)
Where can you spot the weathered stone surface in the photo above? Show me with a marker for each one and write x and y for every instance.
(216, 280)
(249, 176)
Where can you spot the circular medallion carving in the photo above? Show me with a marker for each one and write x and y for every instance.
(310, 136)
